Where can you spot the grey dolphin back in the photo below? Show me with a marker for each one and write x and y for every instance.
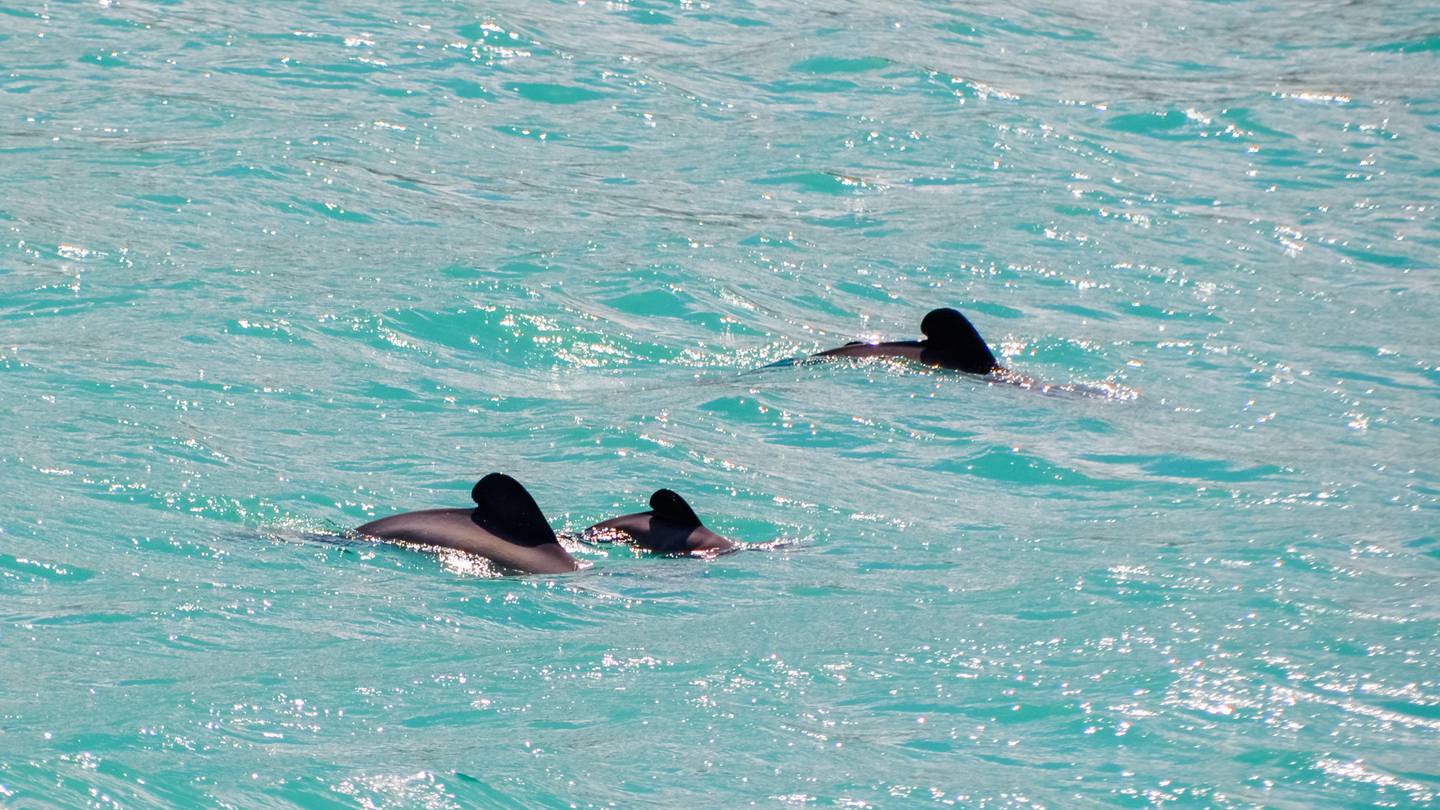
(503, 503)
(673, 508)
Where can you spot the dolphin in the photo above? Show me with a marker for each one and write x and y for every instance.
(951, 341)
(670, 527)
(506, 527)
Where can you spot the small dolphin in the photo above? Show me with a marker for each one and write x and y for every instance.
(951, 342)
(506, 526)
(670, 527)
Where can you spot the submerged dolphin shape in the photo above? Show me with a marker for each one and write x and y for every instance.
(506, 527)
(670, 527)
(951, 341)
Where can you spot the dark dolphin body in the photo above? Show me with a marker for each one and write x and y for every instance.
(951, 341)
(506, 526)
(670, 527)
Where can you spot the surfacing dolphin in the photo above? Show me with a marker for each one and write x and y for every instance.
(506, 527)
(670, 527)
(951, 341)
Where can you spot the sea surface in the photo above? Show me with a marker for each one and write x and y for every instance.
(269, 270)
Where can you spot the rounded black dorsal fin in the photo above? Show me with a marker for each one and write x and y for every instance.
(673, 508)
(502, 502)
(952, 334)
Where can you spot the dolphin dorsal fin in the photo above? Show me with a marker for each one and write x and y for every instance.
(952, 333)
(503, 502)
(673, 508)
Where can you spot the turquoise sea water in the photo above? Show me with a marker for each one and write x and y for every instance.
(270, 269)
